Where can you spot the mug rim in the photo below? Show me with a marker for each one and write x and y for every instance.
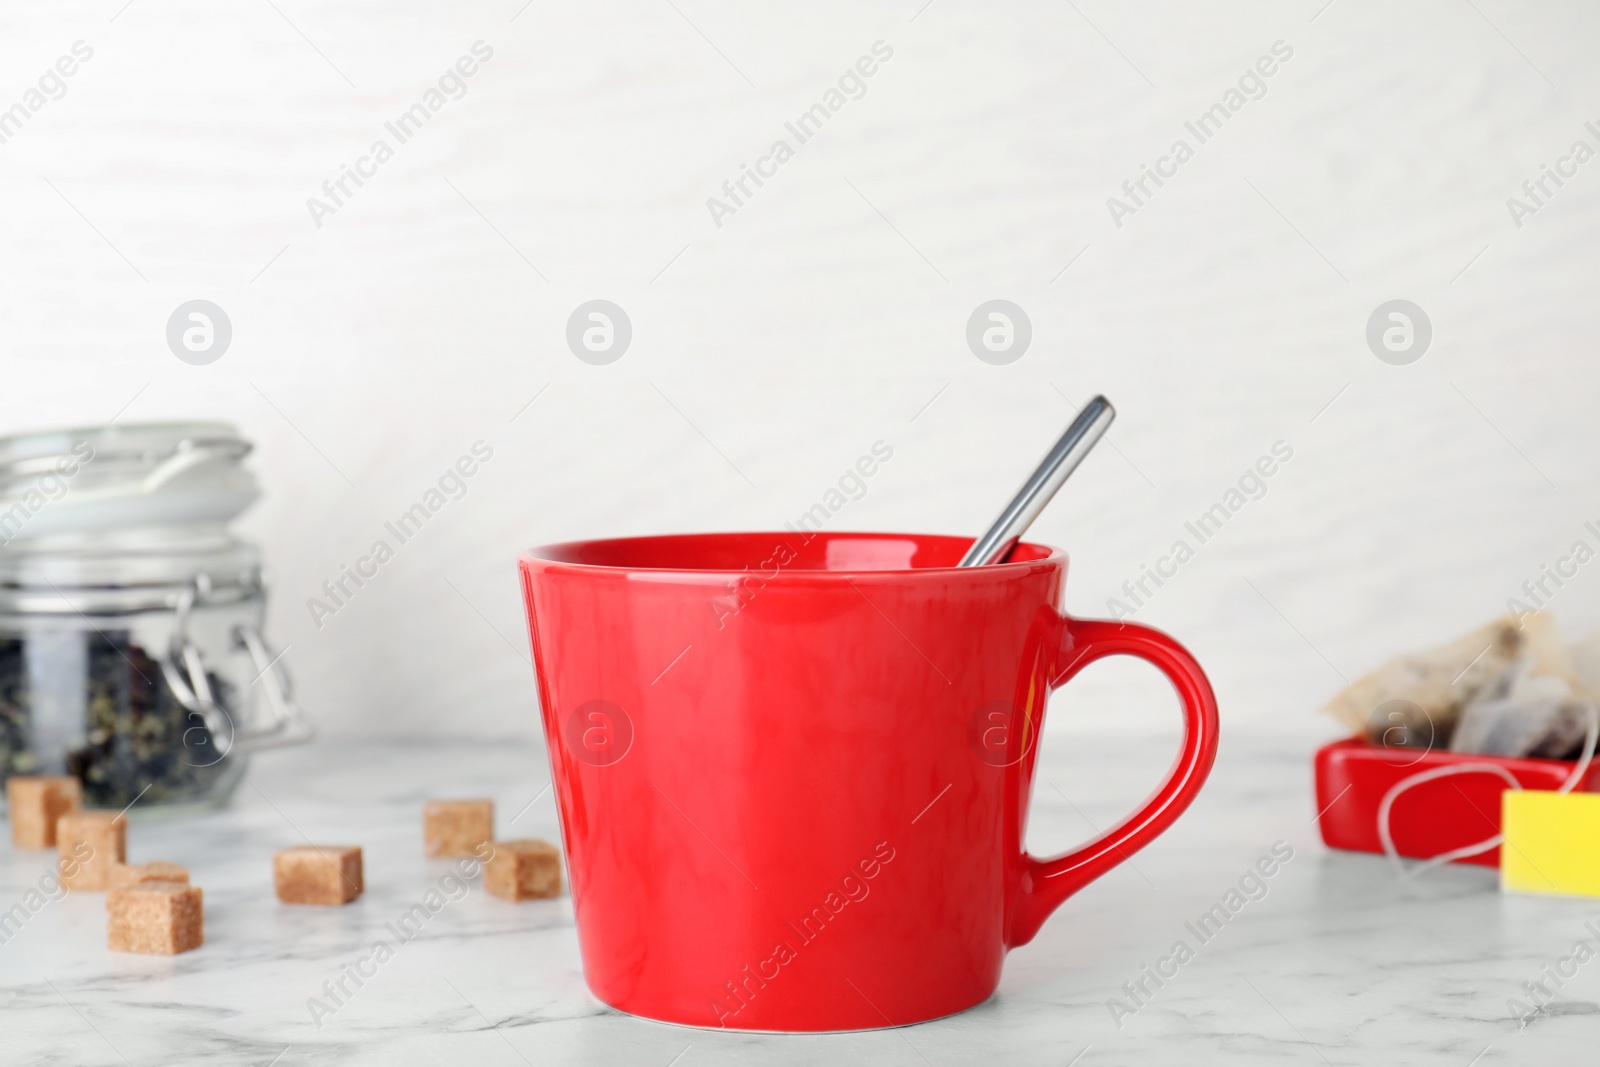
(546, 556)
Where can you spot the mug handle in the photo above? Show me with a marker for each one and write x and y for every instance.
(1045, 884)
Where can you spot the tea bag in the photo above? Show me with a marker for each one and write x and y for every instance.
(1415, 701)
(1585, 657)
(1522, 713)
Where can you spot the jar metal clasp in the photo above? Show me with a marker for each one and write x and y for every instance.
(185, 672)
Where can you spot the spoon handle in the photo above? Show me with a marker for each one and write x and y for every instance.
(996, 545)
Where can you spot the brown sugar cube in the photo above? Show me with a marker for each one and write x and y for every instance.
(89, 844)
(456, 827)
(124, 874)
(35, 803)
(159, 918)
(523, 870)
(318, 874)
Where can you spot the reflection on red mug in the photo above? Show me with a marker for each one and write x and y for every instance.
(809, 815)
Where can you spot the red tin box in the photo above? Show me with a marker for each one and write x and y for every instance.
(1432, 817)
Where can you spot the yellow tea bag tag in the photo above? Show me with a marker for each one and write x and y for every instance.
(1552, 842)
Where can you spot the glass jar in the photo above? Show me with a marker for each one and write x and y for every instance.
(131, 654)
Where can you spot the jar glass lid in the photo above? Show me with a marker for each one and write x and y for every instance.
(66, 486)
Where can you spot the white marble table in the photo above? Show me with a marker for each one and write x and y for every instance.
(1339, 962)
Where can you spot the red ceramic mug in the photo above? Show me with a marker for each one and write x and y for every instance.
(793, 769)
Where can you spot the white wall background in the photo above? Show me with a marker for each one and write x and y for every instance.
(371, 352)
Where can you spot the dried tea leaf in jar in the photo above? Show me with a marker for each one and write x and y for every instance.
(140, 738)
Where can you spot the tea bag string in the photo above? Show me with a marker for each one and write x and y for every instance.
(1385, 806)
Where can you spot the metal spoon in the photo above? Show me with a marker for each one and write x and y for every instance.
(995, 546)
